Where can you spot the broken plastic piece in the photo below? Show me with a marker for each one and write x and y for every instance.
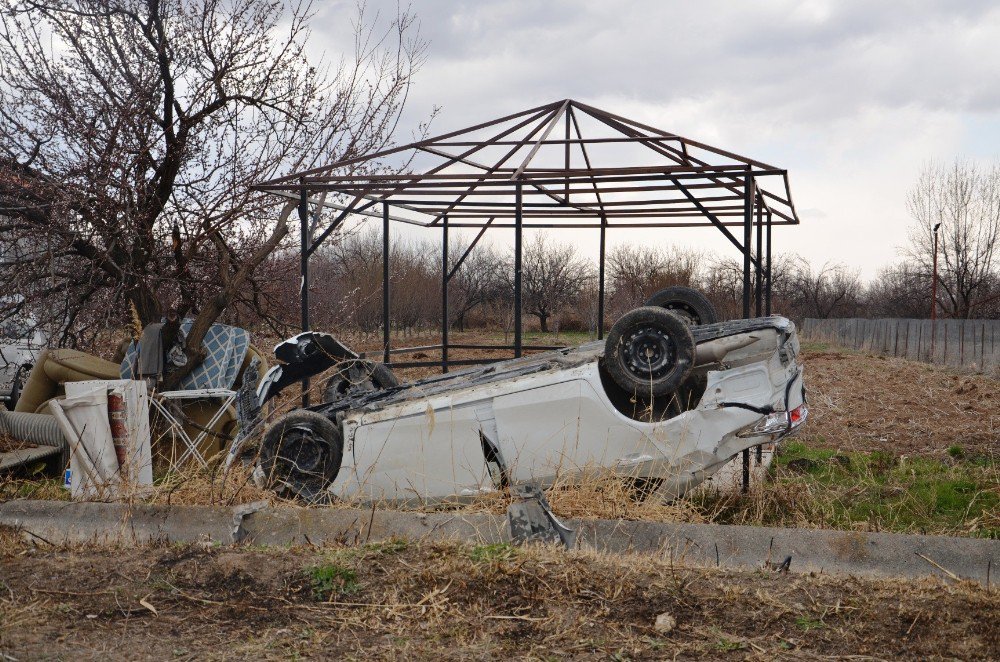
(531, 520)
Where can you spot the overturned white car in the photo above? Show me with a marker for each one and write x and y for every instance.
(662, 401)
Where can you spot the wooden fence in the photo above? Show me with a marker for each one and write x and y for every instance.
(973, 344)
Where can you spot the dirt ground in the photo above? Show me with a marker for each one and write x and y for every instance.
(459, 602)
(866, 403)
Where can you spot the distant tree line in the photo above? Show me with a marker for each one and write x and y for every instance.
(560, 286)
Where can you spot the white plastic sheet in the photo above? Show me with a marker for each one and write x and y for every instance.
(83, 417)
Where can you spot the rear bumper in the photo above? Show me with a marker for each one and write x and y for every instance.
(740, 423)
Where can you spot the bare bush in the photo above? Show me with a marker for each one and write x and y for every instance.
(637, 271)
(900, 290)
(831, 291)
(477, 283)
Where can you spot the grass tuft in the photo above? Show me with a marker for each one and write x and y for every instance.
(500, 552)
(330, 580)
(805, 623)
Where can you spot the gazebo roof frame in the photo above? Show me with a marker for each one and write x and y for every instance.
(697, 184)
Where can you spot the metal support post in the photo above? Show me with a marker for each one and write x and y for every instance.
(600, 281)
(385, 282)
(934, 305)
(304, 271)
(747, 229)
(518, 221)
(444, 293)
(746, 471)
(767, 291)
(758, 286)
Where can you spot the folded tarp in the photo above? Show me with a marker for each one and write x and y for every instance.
(225, 348)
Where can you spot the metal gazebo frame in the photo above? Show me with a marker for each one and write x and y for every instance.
(554, 182)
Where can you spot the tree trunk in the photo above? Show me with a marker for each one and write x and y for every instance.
(216, 305)
(145, 303)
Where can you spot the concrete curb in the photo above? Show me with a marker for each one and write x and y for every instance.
(737, 547)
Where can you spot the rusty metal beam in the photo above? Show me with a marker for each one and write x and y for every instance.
(545, 108)
(468, 250)
(538, 143)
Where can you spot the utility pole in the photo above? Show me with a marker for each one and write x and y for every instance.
(934, 280)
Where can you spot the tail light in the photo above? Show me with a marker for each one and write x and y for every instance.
(777, 423)
(798, 415)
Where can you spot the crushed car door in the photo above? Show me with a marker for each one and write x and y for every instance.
(433, 454)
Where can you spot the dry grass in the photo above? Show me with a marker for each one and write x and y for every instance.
(591, 494)
(188, 486)
(210, 487)
(446, 601)
(9, 443)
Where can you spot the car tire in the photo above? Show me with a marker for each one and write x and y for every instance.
(301, 454)
(358, 376)
(649, 352)
(689, 304)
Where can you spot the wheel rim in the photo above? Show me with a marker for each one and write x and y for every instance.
(649, 352)
(302, 451)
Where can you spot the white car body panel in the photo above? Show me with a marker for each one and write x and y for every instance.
(559, 422)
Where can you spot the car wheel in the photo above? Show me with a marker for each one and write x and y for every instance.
(689, 304)
(356, 377)
(650, 351)
(301, 454)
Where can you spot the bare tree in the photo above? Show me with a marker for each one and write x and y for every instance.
(636, 272)
(476, 283)
(131, 132)
(415, 275)
(831, 291)
(552, 278)
(898, 291)
(723, 285)
(963, 201)
(346, 282)
(797, 290)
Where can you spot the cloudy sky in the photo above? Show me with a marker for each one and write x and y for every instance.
(853, 98)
